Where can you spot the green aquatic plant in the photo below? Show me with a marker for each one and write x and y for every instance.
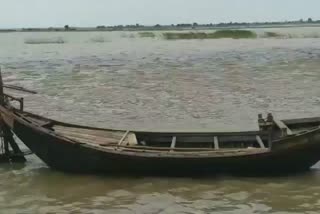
(147, 34)
(98, 39)
(57, 40)
(234, 34)
(185, 35)
(272, 34)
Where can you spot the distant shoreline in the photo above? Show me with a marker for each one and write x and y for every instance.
(181, 27)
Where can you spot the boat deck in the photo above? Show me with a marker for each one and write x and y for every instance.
(171, 141)
(164, 141)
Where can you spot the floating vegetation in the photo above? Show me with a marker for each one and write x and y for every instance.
(99, 39)
(58, 40)
(233, 34)
(147, 34)
(271, 34)
(128, 35)
(187, 35)
(314, 35)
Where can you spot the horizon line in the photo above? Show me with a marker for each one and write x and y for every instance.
(308, 20)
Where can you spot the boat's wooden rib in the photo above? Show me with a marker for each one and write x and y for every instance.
(259, 140)
(191, 150)
(123, 137)
(216, 143)
(197, 138)
(173, 143)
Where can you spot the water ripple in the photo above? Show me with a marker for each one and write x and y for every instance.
(156, 84)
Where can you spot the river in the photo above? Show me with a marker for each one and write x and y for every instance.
(120, 80)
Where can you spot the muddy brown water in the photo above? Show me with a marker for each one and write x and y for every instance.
(118, 80)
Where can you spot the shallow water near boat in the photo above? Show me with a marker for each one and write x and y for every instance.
(125, 81)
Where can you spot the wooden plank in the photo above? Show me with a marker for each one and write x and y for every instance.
(84, 136)
(189, 150)
(173, 143)
(302, 121)
(92, 141)
(18, 88)
(216, 143)
(259, 140)
(283, 127)
(203, 139)
(198, 134)
(123, 137)
(102, 133)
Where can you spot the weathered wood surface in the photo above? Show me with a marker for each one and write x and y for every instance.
(173, 143)
(123, 137)
(2, 101)
(302, 121)
(100, 133)
(283, 127)
(18, 88)
(216, 142)
(97, 153)
(259, 140)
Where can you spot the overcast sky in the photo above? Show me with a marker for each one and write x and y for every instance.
(46, 13)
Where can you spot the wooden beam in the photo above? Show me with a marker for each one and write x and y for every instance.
(123, 137)
(199, 134)
(216, 143)
(259, 140)
(203, 139)
(2, 100)
(302, 121)
(8, 138)
(283, 127)
(19, 89)
(173, 143)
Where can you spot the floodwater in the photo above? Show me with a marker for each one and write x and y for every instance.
(118, 80)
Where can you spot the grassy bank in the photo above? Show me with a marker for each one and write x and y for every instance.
(233, 34)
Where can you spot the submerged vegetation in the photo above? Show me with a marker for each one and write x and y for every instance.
(147, 34)
(271, 34)
(98, 39)
(233, 34)
(35, 41)
(181, 35)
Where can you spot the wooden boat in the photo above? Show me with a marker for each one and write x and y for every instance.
(277, 147)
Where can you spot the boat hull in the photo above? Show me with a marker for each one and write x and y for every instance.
(60, 154)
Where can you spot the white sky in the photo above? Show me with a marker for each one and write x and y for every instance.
(46, 13)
